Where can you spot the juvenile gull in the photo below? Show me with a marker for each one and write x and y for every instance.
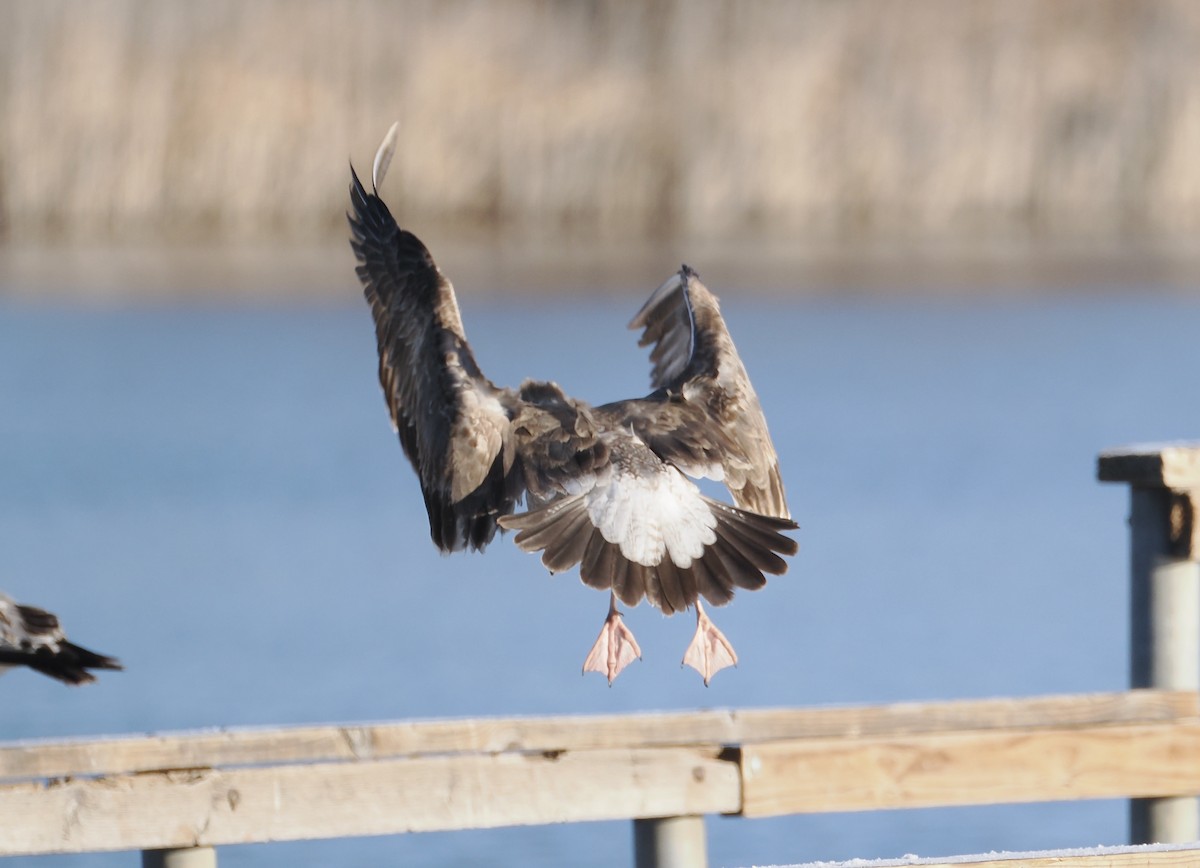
(32, 637)
(605, 488)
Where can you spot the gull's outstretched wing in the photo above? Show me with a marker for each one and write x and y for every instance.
(33, 637)
(704, 415)
(452, 421)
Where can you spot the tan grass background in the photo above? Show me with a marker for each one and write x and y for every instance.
(699, 119)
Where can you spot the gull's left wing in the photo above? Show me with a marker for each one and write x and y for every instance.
(453, 423)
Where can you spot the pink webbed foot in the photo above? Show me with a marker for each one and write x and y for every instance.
(615, 647)
(710, 651)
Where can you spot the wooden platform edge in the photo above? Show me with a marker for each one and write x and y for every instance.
(1142, 856)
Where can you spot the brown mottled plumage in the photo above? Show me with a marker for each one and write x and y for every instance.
(606, 487)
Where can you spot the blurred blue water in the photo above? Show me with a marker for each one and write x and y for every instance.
(214, 494)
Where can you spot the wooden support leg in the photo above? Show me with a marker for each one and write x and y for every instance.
(670, 842)
(1164, 600)
(1165, 644)
(187, 857)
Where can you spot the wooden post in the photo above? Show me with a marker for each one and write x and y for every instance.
(670, 842)
(1164, 599)
(186, 857)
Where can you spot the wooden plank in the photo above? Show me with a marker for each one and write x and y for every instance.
(298, 802)
(965, 768)
(246, 747)
(1126, 860)
(1152, 856)
(1154, 465)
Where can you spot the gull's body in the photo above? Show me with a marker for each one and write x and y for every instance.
(32, 637)
(607, 487)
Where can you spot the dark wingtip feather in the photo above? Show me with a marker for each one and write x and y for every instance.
(370, 213)
(92, 660)
(358, 193)
(70, 663)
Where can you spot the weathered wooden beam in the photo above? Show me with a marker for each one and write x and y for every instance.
(362, 742)
(333, 800)
(1154, 856)
(974, 767)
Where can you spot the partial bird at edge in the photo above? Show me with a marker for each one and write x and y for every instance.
(34, 638)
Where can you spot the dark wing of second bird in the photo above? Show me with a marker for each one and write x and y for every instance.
(32, 637)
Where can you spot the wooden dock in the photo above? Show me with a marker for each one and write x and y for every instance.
(176, 796)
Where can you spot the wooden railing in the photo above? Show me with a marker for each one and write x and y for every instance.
(176, 796)
(210, 788)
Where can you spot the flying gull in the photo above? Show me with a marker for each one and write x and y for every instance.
(606, 488)
(32, 637)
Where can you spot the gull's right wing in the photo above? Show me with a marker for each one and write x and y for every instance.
(704, 416)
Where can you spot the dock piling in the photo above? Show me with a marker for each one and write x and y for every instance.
(1164, 599)
(183, 857)
(670, 842)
